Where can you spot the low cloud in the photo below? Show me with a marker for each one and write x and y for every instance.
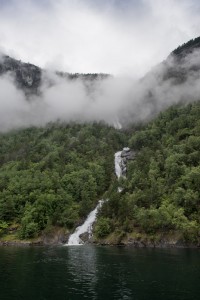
(64, 100)
(112, 100)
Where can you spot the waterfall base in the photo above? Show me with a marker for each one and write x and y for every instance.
(86, 228)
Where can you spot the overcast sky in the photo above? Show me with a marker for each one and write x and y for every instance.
(111, 36)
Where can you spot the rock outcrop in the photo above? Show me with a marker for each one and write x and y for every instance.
(126, 154)
(26, 76)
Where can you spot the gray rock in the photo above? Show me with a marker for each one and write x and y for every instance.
(127, 154)
(85, 237)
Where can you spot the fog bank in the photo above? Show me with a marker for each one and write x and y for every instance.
(113, 100)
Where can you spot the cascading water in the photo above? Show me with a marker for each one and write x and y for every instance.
(86, 227)
(117, 124)
(74, 238)
(118, 160)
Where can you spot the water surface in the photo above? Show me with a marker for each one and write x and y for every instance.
(89, 272)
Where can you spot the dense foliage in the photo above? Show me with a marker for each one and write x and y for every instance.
(53, 176)
(162, 191)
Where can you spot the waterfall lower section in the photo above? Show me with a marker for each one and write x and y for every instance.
(74, 238)
(86, 227)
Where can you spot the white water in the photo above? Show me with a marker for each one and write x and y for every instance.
(117, 124)
(86, 227)
(74, 238)
(118, 160)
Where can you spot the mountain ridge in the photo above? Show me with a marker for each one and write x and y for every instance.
(28, 77)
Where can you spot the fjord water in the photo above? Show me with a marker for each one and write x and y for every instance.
(94, 272)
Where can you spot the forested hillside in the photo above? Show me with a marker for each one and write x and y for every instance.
(187, 48)
(161, 195)
(53, 176)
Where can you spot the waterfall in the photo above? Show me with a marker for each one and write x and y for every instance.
(117, 124)
(118, 160)
(86, 227)
(74, 238)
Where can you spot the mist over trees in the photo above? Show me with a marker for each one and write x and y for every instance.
(57, 156)
(31, 96)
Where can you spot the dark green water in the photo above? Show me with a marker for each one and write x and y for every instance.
(87, 272)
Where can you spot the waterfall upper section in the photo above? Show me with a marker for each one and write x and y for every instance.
(120, 167)
(118, 162)
(121, 159)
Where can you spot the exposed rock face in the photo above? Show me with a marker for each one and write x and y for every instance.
(27, 76)
(127, 154)
(85, 237)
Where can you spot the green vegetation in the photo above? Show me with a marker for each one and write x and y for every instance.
(53, 176)
(162, 190)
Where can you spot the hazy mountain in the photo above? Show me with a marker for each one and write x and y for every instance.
(98, 97)
(52, 176)
(175, 80)
(26, 75)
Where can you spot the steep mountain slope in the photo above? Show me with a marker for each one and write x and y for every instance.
(51, 177)
(160, 202)
(175, 80)
(187, 48)
(54, 176)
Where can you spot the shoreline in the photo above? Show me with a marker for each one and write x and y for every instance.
(133, 244)
(59, 236)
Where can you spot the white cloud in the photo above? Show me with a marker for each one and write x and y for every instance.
(78, 36)
(111, 100)
(13, 105)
